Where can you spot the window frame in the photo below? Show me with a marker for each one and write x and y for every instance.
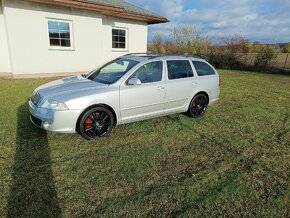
(61, 48)
(126, 38)
(189, 64)
(192, 62)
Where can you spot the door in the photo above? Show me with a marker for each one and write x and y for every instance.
(146, 98)
(179, 85)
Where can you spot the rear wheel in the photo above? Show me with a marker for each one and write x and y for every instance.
(198, 106)
(95, 123)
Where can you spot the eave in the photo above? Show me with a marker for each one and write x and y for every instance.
(108, 10)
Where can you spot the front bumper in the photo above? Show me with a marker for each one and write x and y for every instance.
(55, 121)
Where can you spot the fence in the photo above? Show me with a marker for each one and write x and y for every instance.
(280, 63)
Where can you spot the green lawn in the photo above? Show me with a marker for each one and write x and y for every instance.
(233, 162)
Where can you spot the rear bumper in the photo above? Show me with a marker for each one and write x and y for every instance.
(55, 121)
(212, 101)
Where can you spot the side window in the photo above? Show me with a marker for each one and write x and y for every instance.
(203, 69)
(148, 73)
(179, 69)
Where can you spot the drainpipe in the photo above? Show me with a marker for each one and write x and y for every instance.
(7, 36)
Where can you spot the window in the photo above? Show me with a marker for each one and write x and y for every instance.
(179, 69)
(203, 69)
(148, 73)
(113, 71)
(119, 38)
(59, 34)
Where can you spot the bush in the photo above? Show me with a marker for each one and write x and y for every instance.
(265, 55)
(228, 54)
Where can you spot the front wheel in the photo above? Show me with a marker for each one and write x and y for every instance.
(198, 106)
(95, 123)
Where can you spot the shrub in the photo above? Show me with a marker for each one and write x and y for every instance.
(266, 54)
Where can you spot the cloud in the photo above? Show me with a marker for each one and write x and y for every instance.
(263, 20)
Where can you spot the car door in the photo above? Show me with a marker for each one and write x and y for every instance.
(144, 100)
(179, 85)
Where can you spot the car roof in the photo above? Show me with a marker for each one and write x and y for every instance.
(141, 57)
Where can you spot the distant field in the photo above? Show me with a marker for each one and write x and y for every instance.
(234, 162)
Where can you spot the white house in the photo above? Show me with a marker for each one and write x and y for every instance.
(69, 36)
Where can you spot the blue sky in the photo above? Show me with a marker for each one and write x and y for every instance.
(267, 21)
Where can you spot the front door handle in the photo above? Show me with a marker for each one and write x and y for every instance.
(160, 87)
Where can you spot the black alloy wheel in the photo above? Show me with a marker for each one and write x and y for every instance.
(96, 123)
(198, 106)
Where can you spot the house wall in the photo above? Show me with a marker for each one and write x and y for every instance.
(5, 66)
(92, 38)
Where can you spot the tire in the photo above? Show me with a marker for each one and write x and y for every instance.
(198, 106)
(96, 123)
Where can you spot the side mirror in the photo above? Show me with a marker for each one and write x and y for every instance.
(134, 82)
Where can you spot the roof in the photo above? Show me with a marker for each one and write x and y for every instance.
(130, 8)
(115, 8)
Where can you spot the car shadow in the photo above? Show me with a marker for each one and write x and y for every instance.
(32, 191)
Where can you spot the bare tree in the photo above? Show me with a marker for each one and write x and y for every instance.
(188, 40)
(236, 44)
(158, 44)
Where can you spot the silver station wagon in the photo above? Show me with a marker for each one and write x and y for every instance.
(131, 88)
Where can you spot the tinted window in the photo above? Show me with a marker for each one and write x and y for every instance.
(148, 73)
(179, 69)
(203, 69)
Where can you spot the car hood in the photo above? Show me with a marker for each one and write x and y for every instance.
(68, 86)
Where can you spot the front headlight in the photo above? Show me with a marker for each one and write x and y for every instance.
(53, 105)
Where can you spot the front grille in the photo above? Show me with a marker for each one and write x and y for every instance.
(35, 120)
(35, 98)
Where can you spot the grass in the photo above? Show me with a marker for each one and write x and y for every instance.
(233, 162)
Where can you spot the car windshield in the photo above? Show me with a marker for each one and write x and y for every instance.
(112, 71)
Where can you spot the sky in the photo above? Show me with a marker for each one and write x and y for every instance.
(267, 21)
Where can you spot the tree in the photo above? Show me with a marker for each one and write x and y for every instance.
(188, 40)
(158, 44)
(266, 54)
(287, 48)
(236, 44)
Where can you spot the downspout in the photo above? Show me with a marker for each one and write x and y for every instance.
(7, 37)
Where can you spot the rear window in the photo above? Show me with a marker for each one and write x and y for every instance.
(179, 69)
(203, 69)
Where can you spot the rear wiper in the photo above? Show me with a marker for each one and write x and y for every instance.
(84, 75)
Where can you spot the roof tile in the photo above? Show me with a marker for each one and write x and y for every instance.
(129, 8)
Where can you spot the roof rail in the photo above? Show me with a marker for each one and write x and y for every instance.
(145, 53)
(149, 54)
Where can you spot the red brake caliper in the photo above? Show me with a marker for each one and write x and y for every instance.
(88, 123)
(193, 105)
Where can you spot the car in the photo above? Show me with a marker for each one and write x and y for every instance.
(130, 88)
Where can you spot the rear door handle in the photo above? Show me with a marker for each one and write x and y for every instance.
(160, 87)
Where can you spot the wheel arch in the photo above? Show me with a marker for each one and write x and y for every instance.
(202, 92)
(199, 92)
(93, 106)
